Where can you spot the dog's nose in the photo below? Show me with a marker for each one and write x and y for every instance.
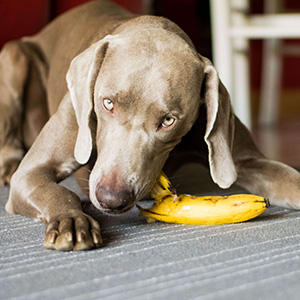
(114, 200)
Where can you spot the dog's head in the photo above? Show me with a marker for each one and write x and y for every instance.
(142, 86)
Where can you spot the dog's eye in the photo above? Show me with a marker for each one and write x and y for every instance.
(108, 104)
(168, 122)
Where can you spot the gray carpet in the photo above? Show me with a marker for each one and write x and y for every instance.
(259, 259)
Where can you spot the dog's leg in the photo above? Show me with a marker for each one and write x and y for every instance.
(259, 175)
(35, 191)
(23, 107)
(13, 73)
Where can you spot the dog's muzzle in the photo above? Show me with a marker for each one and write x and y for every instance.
(114, 202)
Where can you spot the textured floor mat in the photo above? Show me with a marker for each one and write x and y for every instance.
(258, 259)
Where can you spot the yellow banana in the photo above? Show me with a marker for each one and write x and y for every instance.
(205, 210)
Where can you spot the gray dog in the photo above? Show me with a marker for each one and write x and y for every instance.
(137, 98)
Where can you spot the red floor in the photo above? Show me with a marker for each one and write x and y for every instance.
(282, 142)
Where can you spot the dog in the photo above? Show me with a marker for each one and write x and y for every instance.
(117, 97)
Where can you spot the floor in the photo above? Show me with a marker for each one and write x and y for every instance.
(258, 259)
(282, 140)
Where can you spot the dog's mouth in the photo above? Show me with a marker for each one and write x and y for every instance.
(117, 211)
(113, 201)
(121, 210)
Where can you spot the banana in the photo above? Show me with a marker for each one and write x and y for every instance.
(205, 210)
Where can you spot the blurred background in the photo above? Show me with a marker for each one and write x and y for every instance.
(278, 135)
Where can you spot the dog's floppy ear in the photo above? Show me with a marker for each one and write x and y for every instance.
(81, 78)
(219, 132)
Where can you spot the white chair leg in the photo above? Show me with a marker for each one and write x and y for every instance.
(271, 73)
(221, 42)
(241, 82)
(271, 83)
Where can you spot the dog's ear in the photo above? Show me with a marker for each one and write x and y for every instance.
(219, 132)
(81, 78)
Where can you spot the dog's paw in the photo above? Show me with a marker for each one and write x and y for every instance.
(74, 231)
(10, 158)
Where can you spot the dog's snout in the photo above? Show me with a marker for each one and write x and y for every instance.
(114, 200)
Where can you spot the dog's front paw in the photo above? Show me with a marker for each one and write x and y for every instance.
(10, 158)
(74, 231)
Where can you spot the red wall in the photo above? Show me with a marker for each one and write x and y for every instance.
(134, 6)
(20, 18)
